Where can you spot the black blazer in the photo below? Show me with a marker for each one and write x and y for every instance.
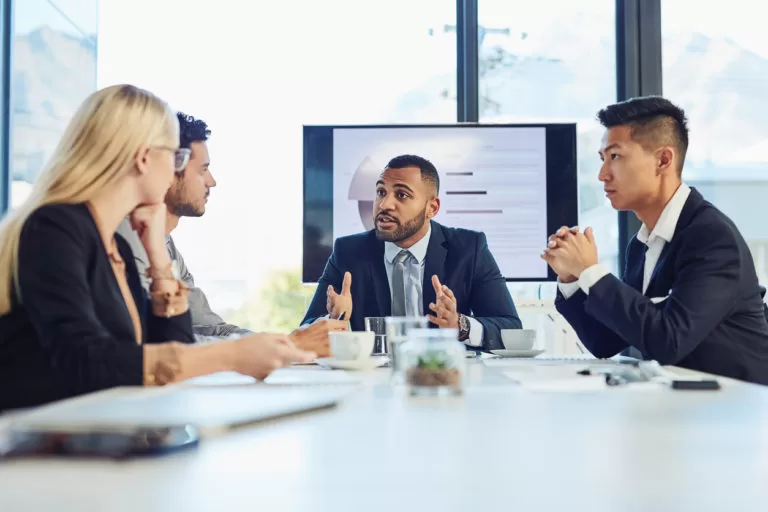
(459, 257)
(72, 333)
(713, 319)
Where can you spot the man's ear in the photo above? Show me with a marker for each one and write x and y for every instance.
(433, 207)
(664, 159)
(141, 159)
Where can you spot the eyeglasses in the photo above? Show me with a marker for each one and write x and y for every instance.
(180, 156)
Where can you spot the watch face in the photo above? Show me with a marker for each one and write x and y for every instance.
(463, 328)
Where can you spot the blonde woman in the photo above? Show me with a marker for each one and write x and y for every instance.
(73, 315)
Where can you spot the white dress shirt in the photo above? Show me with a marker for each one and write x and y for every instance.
(662, 234)
(414, 279)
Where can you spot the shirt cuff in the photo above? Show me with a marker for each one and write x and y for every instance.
(568, 289)
(201, 339)
(590, 276)
(475, 333)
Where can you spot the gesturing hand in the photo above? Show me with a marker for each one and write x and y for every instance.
(338, 303)
(444, 306)
(314, 336)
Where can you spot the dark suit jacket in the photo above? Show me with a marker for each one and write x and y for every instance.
(714, 318)
(459, 257)
(71, 333)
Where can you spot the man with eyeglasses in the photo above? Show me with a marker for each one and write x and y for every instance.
(187, 197)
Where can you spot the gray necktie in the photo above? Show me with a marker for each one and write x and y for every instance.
(398, 283)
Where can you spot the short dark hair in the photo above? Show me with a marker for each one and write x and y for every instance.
(191, 130)
(654, 121)
(428, 171)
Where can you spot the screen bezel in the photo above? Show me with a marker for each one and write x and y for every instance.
(317, 174)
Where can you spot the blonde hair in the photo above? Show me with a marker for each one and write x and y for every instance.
(97, 149)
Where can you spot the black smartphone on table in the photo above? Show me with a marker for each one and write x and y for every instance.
(113, 443)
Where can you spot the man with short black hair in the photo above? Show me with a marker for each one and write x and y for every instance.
(409, 265)
(690, 295)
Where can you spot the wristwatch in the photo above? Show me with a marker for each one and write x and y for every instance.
(463, 328)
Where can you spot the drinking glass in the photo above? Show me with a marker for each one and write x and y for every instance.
(397, 329)
(376, 324)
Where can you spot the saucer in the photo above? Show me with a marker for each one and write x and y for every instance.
(365, 364)
(518, 353)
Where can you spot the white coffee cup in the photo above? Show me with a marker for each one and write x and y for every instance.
(518, 339)
(351, 345)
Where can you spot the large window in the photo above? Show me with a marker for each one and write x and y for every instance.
(715, 66)
(54, 69)
(256, 77)
(554, 60)
(257, 74)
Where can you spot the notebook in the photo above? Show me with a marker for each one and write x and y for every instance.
(210, 408)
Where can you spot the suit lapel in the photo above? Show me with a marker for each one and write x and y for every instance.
(659, 263)
(434, 265)
(635, 264)
(686, 215)
(378, 273)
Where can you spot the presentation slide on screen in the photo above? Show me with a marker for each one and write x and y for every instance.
(492, 179)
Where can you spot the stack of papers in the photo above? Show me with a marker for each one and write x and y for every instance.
(576, 384)
(581, 359)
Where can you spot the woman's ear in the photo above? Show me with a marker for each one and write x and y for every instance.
(141, 159)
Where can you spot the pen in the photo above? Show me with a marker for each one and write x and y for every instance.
(341, 316)
(611, 379)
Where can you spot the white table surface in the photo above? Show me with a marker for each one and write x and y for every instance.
(499, 447)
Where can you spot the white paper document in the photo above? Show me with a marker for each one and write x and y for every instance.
(577, 384)
(306, 376)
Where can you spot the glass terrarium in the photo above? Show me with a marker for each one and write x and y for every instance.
(434, 362)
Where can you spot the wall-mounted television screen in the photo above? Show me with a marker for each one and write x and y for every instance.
(514, 182)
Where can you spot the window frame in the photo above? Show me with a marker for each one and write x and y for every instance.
(6, 70)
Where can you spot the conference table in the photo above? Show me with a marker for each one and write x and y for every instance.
(503, 445)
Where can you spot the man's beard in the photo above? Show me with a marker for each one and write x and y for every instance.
(178, 207)
(185, 210)
(403, 231)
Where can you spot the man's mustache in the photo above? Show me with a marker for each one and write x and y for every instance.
(387, 218)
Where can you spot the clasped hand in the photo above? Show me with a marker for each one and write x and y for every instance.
(569, 252)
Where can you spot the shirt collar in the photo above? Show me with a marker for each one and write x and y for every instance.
(418, 250)
(665, 227)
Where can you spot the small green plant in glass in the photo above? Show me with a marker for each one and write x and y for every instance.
(435, 362)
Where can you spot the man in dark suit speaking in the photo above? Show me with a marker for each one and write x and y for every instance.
(409, 265)
(690, 295)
